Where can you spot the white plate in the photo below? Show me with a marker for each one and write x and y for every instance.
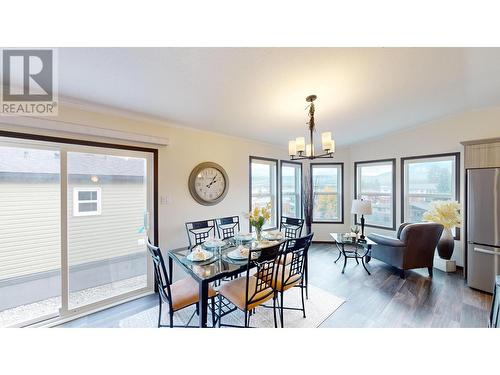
(243, 237)
(207, 256)
(236, 255)
(264, 243)
(273, 236)
(214, 243)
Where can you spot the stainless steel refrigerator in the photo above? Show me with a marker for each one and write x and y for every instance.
(483, 227)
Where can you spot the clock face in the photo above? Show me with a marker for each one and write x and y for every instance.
(208, 183)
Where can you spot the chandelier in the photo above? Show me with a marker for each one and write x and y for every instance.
(299, 150)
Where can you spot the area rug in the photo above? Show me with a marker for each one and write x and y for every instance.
(320, 305)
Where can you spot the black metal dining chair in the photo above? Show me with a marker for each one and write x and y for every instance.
(227, 227)
(291, 226)
(292, 274)
(293, 229)
(199, 231)
(179, 295)
(253, 289)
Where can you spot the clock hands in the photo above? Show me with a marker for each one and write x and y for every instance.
(212, 182)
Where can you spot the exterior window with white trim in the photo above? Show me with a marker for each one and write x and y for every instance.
(86, 201)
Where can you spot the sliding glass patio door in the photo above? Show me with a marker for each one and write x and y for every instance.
(73, 227)
(107, 222)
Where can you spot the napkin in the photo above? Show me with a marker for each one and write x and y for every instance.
(242, 250)
(198, 253)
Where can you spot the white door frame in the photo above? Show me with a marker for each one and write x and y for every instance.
(66, 314)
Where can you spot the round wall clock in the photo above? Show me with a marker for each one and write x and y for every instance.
(208, 183)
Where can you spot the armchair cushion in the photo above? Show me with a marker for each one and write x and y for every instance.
(401, 227)
(385, 240)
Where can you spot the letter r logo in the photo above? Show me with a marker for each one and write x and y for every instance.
(27, 75)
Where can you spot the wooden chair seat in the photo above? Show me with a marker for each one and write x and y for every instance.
(185, 292)
(282, 283)
(286, 259)
(235, 291)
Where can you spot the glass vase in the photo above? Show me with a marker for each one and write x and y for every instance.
(258, 234)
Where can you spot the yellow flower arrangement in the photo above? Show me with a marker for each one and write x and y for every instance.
(259, 215)
(446, 213)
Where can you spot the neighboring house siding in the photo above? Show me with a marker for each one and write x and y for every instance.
(113, 233)
(30, 226)
(30, 234)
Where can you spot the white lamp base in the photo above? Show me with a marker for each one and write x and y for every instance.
(445, 265)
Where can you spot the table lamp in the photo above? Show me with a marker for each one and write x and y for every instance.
(361, 207)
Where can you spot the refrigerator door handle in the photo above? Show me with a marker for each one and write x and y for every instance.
(479, 250)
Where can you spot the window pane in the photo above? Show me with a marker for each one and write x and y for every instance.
(263, 187)
(94, 195)
(30, 234)
(375, 184)
(99, 268)
(427, 180)
(418, 205)
(381, 210)
(375, 178)
(431, 177)
(291, 186)
(325, 179)
(87, 207)
(326, 207)
(261, 182)
(290, 205)
(326, 193)
(84, 196)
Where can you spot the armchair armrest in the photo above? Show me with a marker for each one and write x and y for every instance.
(385, 240)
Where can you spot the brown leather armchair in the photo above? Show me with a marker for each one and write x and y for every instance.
(413, 248)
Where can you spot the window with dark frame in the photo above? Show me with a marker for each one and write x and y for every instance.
(425, 179)
(375, 181)
(327, 182)
(291, 189)
(263, 178)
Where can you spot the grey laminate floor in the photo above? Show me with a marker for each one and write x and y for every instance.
(380, 300)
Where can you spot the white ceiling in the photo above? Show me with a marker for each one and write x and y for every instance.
(259, 93)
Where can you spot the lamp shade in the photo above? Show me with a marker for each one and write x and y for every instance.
(326, 141)
(309, 150)
(361, 207)
(292, 149)
(300, 144)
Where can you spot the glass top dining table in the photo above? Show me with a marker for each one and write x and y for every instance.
(204, 272)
